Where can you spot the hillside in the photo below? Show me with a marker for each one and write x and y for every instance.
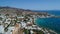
(11, 10)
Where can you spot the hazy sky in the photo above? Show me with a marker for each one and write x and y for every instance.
(32, 4)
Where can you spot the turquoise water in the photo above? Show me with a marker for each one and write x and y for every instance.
(50, 23)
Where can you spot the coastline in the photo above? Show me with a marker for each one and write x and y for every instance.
(44, 27)
(31, 15)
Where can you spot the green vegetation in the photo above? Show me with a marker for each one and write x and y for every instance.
(38, 31)
(7, 15)
(6, 30)
(26, 31)
(0, 14)
(1, 18)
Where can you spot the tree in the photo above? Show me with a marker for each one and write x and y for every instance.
(1, 18)
(7, 15)
(0, 14)
(5, 29)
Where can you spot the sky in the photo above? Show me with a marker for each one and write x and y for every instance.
(32, 4)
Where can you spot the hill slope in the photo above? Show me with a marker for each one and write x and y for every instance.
(11, 10)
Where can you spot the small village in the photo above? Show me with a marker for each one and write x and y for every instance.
(29, 16)
(21, 24)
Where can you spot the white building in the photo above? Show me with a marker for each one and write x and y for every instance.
(23, 24)
(8, 21)
(1, 29)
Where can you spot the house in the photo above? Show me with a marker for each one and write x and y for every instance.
(12, 18)
(29, 23)
(2, 18)
(23, 24)
(10, 29)
(1, 29)
(8, 21)
(31, 32)
(20, 18)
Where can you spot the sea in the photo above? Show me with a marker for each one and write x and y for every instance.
(50, 23)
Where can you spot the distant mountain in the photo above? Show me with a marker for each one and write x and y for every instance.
(12, 10)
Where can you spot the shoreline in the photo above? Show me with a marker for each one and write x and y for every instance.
(44, 27)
